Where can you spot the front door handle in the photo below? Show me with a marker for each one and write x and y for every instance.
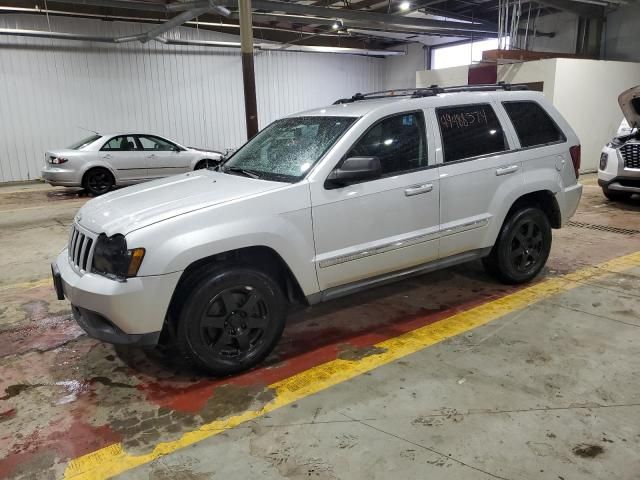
(418, 189)
(507, 170)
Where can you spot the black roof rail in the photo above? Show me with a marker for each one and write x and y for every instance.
(431, 91)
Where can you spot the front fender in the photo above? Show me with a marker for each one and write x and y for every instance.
(174, 244)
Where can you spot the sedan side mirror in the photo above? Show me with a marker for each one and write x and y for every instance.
(353, 170)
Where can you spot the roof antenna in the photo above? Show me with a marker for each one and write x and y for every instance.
(89, 130)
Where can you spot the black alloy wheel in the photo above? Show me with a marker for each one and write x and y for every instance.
(526, 246)
(234, 323)
(230, 319)
(98, 181)
(522, 247)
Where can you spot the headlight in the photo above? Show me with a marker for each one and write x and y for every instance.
(604, 159)
(112, 258)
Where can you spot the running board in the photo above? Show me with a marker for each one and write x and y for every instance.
(348, 289)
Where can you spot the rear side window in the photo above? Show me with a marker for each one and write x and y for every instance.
(398, 141)
(124, 143)
(469, 131)
(533, 124)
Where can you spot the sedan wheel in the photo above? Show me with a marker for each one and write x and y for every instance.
(206, 163)
(98, 181)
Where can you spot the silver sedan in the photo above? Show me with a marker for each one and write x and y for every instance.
(99, 162)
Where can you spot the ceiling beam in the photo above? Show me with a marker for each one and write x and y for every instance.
(582, 9)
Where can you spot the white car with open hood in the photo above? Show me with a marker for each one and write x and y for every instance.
(619, 167)
(318, 205)
(99, 162)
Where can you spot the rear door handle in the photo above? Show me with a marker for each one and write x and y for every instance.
(418, 189)
(507, 170)
(108, 156)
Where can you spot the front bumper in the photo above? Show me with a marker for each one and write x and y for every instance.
(616, 176)
(61, 177)
(131, 312)
(621, 184)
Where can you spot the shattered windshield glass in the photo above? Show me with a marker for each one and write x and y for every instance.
(288, 148)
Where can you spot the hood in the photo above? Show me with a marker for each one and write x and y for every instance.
(629, 102)
(131, 208)
(205, 150)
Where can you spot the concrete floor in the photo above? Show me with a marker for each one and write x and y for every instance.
(550, 390)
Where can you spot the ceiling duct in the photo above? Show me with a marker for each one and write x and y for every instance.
(203, 43)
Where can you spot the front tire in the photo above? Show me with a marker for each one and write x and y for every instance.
(206, 163)
(230, 320)
(98, 181)
(522, 247)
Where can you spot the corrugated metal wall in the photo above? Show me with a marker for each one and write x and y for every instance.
(50, 88)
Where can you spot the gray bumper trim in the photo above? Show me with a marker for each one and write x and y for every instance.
(100, 328)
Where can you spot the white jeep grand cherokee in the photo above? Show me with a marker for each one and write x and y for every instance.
(319, 205)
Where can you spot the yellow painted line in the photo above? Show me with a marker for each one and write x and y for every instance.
(68, 203)
(25, 285)
(114, 459)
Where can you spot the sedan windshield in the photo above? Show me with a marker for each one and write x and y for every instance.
(84, 142)
(288, 148)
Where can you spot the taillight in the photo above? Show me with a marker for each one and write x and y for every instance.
(575, 158)
(58, 160)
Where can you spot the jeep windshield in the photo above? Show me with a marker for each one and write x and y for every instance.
(288, 148)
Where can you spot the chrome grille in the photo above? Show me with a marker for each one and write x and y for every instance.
(631, 154)
(80, 249)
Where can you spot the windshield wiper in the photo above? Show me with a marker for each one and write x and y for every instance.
(243, 171)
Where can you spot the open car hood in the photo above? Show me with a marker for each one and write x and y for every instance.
(629, 102)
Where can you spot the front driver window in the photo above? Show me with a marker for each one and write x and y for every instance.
(155, 143)
(398, 141)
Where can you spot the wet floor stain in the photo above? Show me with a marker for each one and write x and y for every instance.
(141, 431)
(585, 450)
(349, 352)
(45, 334)
(15, 390)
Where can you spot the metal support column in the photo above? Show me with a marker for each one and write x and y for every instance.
(248, 73)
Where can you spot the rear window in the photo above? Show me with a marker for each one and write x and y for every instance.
(84, 142)
(533, 124)
(470, 131)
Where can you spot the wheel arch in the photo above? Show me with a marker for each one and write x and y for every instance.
(94, 165)
(261, 257)
(545, 200)
(196, 161)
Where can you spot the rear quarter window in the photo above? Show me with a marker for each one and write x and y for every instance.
(533, 124)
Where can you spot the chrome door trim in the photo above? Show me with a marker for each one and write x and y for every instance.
(406, 242)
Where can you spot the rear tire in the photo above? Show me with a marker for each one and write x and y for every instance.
(230, 319)
(616, 196)
(522, 247)
(98, 181)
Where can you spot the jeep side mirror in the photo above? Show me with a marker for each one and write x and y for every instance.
(353, 170)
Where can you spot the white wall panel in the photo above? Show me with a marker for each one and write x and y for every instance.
(50, 88)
